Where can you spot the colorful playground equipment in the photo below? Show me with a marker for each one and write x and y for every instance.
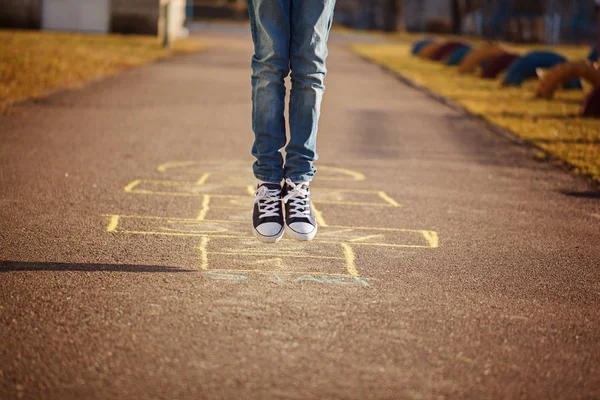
(446, 49)
(457, 55)
(479, 55)
(565, 72)
(418, 46)
(498, 64)
(526, 67)
(591, 105)
(495, 59)
(429, 50)
(594, 56)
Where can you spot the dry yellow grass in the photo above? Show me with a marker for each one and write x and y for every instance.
(33, 64)
(553, 125)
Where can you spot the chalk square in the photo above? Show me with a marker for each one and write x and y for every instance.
(287, 256)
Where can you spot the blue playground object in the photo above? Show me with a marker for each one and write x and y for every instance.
(420, 44)
(458, 54)
(593, 55)
(525, 67)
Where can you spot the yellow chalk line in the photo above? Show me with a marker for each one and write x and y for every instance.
(357, 176)
(273, 254)
(349, 203)
(191, 220)
(432, 238)
(334, 232)
(363, 238)
(270, 272)
(279, 260)
(332, 190)
(350, 259)
(366, 228)
(169, 182)
(219, 207)
(131, 185)
(388, 199)
(204, 232)
(182, 194)
(410, 246)
(175, 164)
(232, 196)
(345, 228)
(205, 208)
(113, 222)
(319, 216)
(250, 189)
(203, 179)
(178, 164)
(203, 248)
(220, 236)
(336, 179)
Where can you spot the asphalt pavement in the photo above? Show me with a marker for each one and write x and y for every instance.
(449, 263)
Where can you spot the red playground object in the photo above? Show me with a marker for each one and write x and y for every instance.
(591, 105)
(498, 64)
(446, 49)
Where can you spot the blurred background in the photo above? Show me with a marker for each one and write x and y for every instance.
(526, 21)
(532, 21)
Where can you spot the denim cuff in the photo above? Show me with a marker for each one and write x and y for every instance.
(300, 178)
(268, 179)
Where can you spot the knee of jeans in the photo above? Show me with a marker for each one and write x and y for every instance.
(271, 67)
(309, 79)
(308, 72)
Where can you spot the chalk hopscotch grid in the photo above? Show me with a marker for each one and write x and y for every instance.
(217, 229)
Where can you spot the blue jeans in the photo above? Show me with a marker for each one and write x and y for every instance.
(288, 35)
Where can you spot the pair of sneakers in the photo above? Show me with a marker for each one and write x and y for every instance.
(268, 219)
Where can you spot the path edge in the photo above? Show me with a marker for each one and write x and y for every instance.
(14, 107)
(549, 158)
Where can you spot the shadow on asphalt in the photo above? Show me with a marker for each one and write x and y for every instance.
(584, 195)
(9, 266)
(574, 140)
(523, 115)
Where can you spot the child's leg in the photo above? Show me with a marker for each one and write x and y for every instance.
(310, 25)
(270, 24)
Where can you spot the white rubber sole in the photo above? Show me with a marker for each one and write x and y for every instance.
(268, 239)
(301, 236)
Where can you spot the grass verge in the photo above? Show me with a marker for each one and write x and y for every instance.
(34, 63)
(552, 125)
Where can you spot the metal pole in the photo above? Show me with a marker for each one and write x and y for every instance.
(166, 36)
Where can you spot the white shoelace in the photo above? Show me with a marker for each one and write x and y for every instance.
(268, 201)
(299, 199)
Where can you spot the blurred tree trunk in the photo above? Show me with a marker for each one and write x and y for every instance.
(457, 16)
(598, 40)
(390, 15)
(459, 10)
(471, 5)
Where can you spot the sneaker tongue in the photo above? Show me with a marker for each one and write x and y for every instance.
(271, 186)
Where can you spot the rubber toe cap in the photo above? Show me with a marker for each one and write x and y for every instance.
(302, 227)
(269, 229)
